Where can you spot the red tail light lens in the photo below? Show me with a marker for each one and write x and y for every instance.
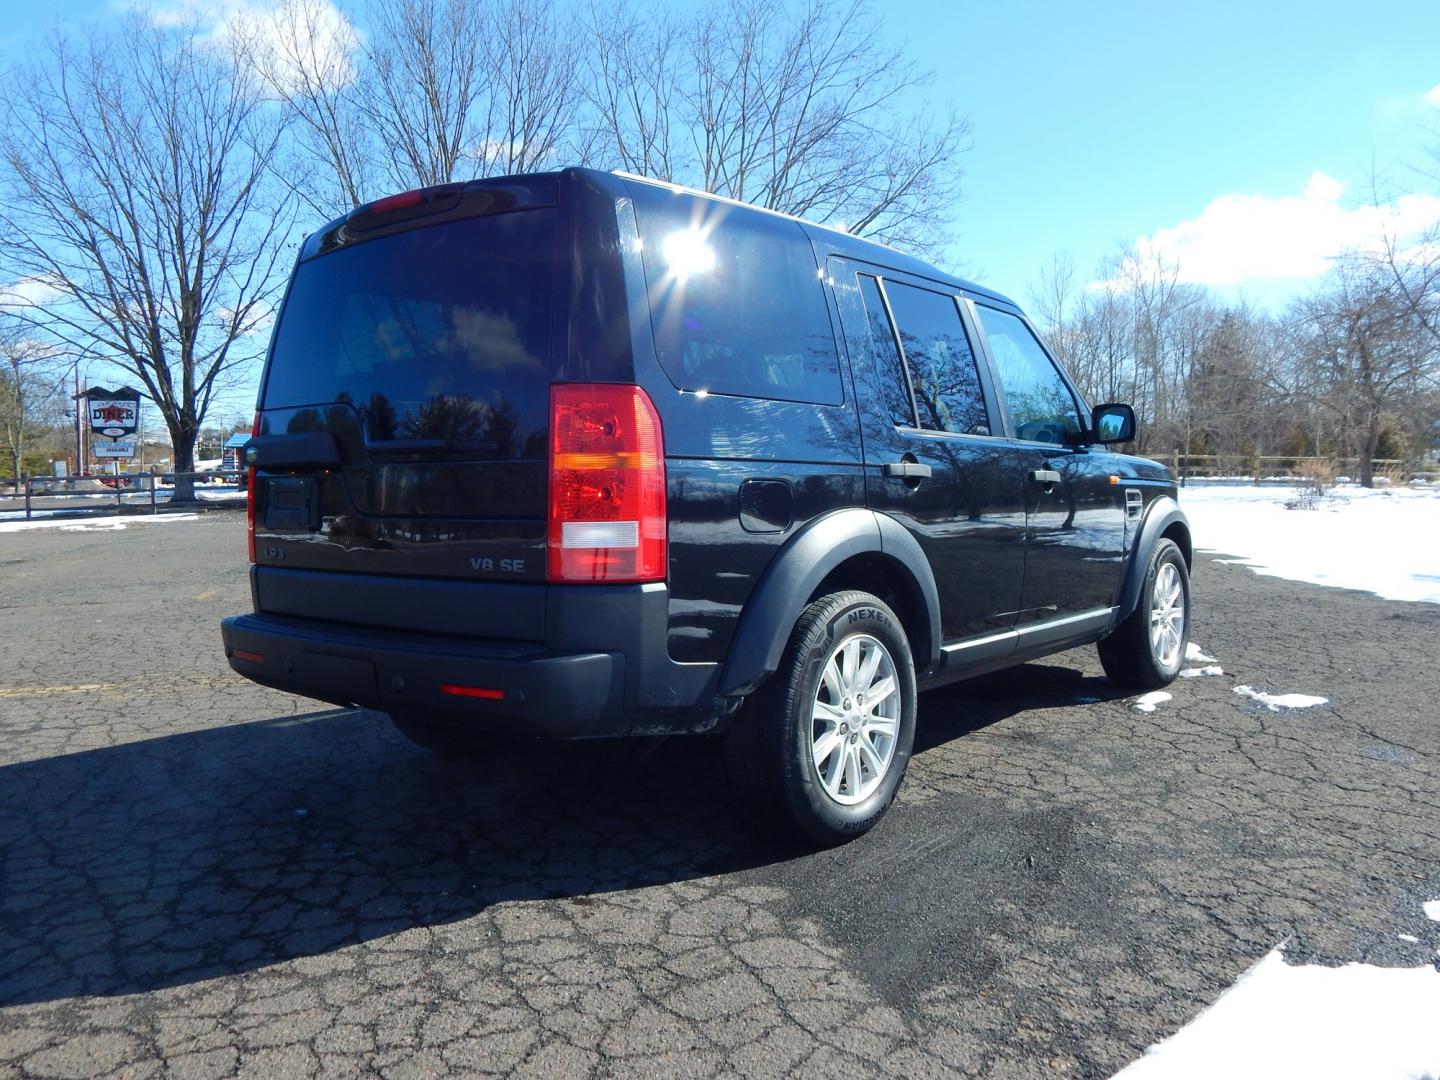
(607, 485)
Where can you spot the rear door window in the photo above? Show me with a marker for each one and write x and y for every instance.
(944, 377)
(437, 333)
(736, 301)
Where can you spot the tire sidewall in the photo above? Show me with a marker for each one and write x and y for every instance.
(1166, 551)
(862, 616)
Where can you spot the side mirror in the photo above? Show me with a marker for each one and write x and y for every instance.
(1112, 423)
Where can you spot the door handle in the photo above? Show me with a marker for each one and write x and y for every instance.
(1045, 476)
(908, 470)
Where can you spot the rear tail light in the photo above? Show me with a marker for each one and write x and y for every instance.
(250, 492)
(607, 485)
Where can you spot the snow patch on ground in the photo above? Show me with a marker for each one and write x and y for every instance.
(1321, 1023)
(1276, 702)
(1196, 672)
(1411, 938)
(1380, 541)
(1197, 653)
(1148, 702)
(107, 523)
(1432, 909)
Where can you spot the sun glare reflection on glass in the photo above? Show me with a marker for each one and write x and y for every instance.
(687, 253)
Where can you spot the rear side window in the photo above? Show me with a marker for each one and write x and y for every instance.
(1041, 405)
(736, 301)
(438, 333)
(943, 374)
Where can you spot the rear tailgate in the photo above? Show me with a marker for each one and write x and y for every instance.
(404, 412)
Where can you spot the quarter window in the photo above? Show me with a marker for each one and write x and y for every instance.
(1041, 405)
(736, 300)
(943, 374)
(886, 353)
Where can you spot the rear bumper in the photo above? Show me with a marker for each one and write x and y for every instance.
(604, 669)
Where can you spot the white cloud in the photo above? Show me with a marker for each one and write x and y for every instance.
(1245, 238)
(295, 42)
(28, 293)
(1433, 97)
(299, 44)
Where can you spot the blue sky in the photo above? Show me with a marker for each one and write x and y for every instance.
(1238, 136)
(1099, 123)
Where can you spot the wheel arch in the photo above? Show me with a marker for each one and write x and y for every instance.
(1164, 520)
(855, 549)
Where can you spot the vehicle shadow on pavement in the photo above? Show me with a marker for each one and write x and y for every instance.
(207, 853)
(150, 864)
(951, 712)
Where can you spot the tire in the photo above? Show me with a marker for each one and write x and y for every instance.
(1132, 656)
(450, 742)
(771, 746)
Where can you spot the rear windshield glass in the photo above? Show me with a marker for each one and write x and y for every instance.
(438, 333)
(736, 301)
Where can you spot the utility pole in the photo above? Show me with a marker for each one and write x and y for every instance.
(79, 446)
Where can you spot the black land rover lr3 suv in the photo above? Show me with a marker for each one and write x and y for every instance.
(579, 454)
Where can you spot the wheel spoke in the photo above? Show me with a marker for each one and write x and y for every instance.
(833, 775)
(865, 750)
(825, 746)
(850, 660)
(831, 714)
(879, 693)
(853, 774)
(881, 725)
(832, 680)
(868, 667)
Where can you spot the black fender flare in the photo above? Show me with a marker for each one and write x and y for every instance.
(1160, 515)
(796, 572)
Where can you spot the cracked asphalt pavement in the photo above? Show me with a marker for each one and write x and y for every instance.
(201, 877)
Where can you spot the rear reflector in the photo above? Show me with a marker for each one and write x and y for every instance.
(607, 485)
(252, 657)
(486, 692)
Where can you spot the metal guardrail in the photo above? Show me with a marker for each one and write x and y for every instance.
(44, 487)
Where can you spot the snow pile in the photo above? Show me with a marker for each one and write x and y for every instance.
(1276, 702)
(1148, 702)
(1196, 672)
(1377, 541)
(106, 522)
(1317, 1022)
(1432, 909)
(1196, 653)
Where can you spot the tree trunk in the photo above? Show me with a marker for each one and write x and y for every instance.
(1367, 451)
(182, 439)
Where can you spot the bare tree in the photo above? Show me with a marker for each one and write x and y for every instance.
(533, 92)
(793, 110)
(30, 391)
(306, 54)
(631, 90)
(135, 162)
(454, 89)
(1363, 354)
(423, 86)
(437, 91)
